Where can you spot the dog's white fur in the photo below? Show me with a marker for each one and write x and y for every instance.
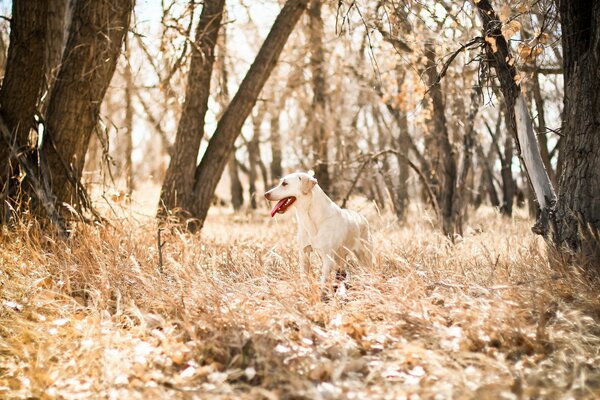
(323, 227)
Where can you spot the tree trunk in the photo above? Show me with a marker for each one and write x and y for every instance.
(318, 116)
(177, 189)
(458, 205)
(488, 173)
(20, 93)
(404, 147)
(518, 119)
(228, 128)
(59, 20)
(578, 210)
(88, 64)
(446, 150)
(23, 81)
(237, 191)
(541, 135)
(276, 168)
(129, 89)
(508, 187)
(252, 147)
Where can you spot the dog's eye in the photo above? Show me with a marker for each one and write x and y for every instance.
(284, 183)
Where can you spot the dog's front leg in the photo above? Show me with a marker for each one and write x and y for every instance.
(304, 249)
(328, 262)
(304, 259)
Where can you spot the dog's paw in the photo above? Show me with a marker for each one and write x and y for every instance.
(341, 292)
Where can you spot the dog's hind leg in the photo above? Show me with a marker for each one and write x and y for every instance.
(365, 255)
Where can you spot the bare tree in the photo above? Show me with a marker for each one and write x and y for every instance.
(59, 20)
(176, 193)
(220, 146)
(518, 120)
(21, 87)
(578, 210)
(88, 64)
(129, 113)
(446, 195)
(318, 117)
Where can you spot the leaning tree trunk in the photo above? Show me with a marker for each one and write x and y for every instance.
(578, 209)
(519, 121)
(21, 89)
(229, 126)
(318, 116)
(176, 193)
(88, 64)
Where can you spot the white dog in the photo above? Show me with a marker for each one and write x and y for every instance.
(323, 226)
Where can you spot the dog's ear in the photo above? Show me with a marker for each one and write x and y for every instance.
(308, 184)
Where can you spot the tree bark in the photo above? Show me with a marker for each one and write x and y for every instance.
(318, 112)
(20, 93)
(24, 77)
(59, 20)
(276, 154)
(446, 150)
(88, 64)
(211, 167)
(458, 205)
(488, 174)
(541, 135)
(129, 89)
(237, 191)
(177, 190)
(518, 119)
(578, 209)
(254, 157)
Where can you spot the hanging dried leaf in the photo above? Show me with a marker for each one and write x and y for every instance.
(492, 42)
(511, 29)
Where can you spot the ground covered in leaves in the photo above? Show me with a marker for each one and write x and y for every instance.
(227, 315)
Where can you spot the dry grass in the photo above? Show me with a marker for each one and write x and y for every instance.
(230, 317)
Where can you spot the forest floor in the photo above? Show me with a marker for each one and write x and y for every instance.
(227, 315)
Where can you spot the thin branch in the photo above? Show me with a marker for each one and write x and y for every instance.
(371, 157)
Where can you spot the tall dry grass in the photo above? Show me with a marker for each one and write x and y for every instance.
(228, 316)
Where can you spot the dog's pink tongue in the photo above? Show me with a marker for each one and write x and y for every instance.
(278, 206)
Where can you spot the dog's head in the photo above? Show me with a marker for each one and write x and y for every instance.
(292, 187)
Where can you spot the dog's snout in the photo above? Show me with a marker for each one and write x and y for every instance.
(268, 195)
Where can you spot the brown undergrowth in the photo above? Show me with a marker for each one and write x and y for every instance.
(227, 315)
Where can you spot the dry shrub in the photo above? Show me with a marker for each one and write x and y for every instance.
(228, 315)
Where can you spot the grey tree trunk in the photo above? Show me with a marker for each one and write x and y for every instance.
(237, 191)
(88, 64)
(129, 89)
(176, 195)
(541, 135)
(578, 209)
(318, 116)
(445, 148)
(275, 140)
(458, 203)
(518, 119)
(217, 154)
